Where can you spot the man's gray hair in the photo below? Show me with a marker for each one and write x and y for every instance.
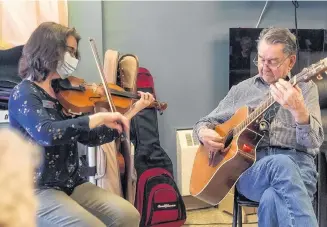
(284, 36)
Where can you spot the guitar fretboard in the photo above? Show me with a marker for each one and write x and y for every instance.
(304, 75)
(255, 114)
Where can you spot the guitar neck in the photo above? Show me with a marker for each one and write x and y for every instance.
(254, 115)
(261, 108)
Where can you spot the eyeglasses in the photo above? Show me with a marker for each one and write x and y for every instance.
(72, 51)
(271, 63)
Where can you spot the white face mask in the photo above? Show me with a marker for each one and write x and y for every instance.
(67, 67)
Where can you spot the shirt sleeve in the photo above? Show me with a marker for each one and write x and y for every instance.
(28, 110)
(311, 135)
(98, 136)
(222, 113)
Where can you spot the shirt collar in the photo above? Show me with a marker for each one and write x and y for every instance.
(258, 79)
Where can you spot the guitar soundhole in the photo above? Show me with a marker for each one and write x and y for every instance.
(229, 138)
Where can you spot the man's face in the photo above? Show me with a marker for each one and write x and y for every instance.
(273, 63)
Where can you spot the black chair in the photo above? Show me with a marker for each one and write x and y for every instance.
(239, 202)
(322, 158)
(322, 187)
(8, 73)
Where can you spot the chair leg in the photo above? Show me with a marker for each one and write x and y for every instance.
(235, 212)
(239, 216)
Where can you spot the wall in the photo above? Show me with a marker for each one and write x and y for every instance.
(86, 17)
(185, 46)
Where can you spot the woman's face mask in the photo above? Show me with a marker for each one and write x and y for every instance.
(68, 66)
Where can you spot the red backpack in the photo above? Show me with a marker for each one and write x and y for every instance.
(158, 199)
(157, 196)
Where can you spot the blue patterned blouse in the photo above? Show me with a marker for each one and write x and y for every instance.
(39, 117)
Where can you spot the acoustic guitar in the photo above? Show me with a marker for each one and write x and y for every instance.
(242, 133)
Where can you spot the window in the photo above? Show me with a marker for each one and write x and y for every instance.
(18, 19)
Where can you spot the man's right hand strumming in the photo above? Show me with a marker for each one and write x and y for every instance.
(211, 140)
(213, 143)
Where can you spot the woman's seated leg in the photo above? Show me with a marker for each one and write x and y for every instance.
(111, 209)
(57, 209)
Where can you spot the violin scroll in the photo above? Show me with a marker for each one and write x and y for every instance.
(160, 106)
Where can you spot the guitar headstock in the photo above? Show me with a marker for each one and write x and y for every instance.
(318, 70)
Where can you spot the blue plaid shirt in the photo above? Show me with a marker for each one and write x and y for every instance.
(284, 131)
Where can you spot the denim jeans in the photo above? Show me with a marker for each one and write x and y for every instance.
(87, 206)
(283, 181)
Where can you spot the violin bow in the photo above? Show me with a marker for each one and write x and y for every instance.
(125, 135)
(103, 78)
(105, 83)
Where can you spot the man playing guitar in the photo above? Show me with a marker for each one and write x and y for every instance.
(283, 178)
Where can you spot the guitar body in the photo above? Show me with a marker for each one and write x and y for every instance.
(212, 183)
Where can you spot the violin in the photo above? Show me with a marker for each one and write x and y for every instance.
(79, 97)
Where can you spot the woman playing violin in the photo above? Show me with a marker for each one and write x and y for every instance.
(65, 198)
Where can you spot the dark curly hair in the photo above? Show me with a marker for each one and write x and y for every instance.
(44, 49)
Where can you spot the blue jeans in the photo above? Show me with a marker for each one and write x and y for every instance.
(283, 181)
